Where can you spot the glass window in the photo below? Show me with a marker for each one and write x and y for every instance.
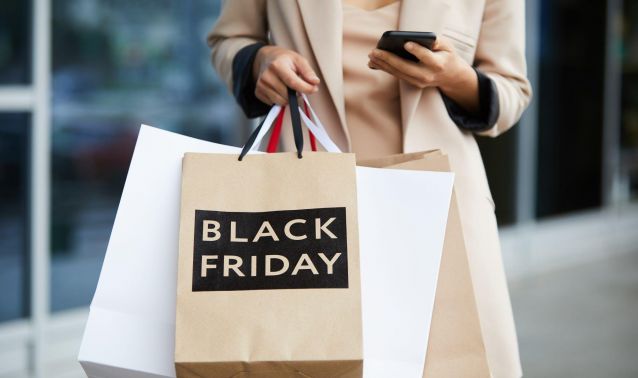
(117, 64)
(15, 42)
(14, 262)
(570, 106)
(629, 116)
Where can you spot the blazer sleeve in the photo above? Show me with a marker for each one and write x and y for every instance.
(241, 23)
(488, 111)
(500, 55)
(244, 83)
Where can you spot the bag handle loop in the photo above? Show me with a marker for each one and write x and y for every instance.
(261, 130)
(296, 121)
(273, 141)
(315, 127)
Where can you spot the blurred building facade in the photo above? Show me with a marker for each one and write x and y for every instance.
(78, 77)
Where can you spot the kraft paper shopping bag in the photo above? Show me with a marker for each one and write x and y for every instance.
(268, 280)
(268, 272)
(455, 345)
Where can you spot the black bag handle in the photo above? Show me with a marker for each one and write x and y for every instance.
(296, 127)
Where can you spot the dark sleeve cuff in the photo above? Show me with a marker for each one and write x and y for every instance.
(244, 84)
(488, 107)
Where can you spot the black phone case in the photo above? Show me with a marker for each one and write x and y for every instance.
(393, 41)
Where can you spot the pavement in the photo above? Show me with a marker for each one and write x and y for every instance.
(580, 321)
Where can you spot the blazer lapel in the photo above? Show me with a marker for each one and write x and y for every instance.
(323, 21)
(418, 15)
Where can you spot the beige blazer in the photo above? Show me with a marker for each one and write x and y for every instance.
(487, 33)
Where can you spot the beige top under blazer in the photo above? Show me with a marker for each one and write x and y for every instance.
(490, 34)
(372, 100)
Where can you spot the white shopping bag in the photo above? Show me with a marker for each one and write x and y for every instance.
(130, 330)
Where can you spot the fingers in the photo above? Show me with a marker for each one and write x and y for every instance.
(269, 96)
(424, 54)
(419, 82)
(271, 90)
(306, 72)
(272, 85)
(292, 80)
(381, 65)
(278, 69)
(399, 64)
(417, 74)
(273, 82)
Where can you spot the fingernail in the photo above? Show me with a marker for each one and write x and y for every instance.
(409, 45)
(375, 53)
(315, 89)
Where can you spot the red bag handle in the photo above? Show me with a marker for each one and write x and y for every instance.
(276, 132)
(273, 142)
(311, 136)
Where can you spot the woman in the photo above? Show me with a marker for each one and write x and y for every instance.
(374, 103)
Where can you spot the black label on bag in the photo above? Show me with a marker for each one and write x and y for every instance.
(292, 249)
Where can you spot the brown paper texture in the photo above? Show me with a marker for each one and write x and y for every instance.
(455, 347)
(275, 332)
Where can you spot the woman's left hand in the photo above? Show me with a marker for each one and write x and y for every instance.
(440, 67)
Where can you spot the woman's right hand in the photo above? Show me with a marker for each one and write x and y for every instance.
(278, 69)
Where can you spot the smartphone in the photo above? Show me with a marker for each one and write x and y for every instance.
(394, 40)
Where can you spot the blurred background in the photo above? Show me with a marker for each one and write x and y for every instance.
(78, 77)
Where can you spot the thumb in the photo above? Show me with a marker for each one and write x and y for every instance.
(305, 71)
